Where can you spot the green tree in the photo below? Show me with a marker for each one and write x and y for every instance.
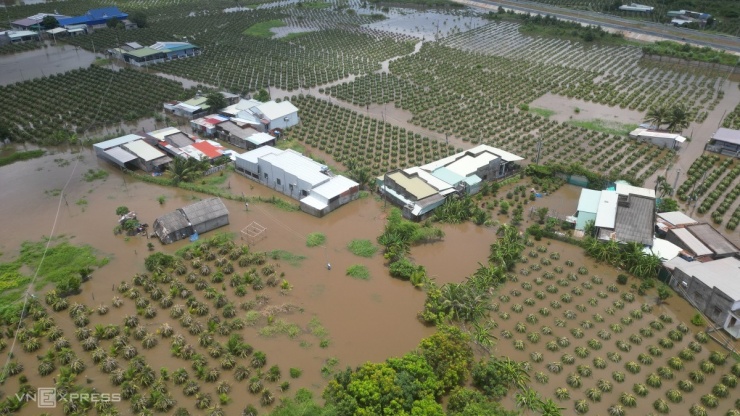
(122, 210)
(541, 214)
(114, 24)
(528, 399)
(262, 95)
(139, 18)
(49, 22)
(657, 116)
(184, 170)
(496, 376)
(448, 353)
(667, 205)
(216, 101)
(678, 118)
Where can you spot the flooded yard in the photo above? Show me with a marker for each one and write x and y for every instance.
(562, 109)
(42, 62)
(427, 25)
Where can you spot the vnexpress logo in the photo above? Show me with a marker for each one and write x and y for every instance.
(47, 397)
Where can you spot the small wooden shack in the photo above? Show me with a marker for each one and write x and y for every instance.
(200, 217)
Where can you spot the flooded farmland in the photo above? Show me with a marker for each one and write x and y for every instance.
(37, 63)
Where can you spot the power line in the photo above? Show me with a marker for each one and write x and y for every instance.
(27, 293)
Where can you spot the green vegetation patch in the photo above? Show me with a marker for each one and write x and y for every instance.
(19, 156)
(94, 174)
(692, 53)
(65, 265)
(262, 29)
(362, 248)
(358, 271)
(315, 239)
(604, 126)
(542, 112)
(286, 256)
(280, 327)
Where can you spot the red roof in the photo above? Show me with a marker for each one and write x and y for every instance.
(208, 149)
(214, 121)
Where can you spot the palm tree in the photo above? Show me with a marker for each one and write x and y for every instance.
(678, 118)
(550, 408)
(657, 116)
(528, 399)
(184, 170)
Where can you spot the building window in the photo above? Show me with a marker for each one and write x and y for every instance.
(717, 311)
(265, 176)
(304, 192)
(277, 181)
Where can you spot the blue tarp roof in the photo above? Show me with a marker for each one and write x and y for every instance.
(92, 15)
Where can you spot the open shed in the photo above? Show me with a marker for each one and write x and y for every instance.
(200, 217)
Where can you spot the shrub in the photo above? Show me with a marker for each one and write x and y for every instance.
(315, 239)
(358, 271)
(622, 279)
(362, 248)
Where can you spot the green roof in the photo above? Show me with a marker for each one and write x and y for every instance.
(196, 102)
(143, 52)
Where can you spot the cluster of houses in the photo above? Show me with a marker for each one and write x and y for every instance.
(700, 262)
(31, 27)
(420, 189)
(683, 17)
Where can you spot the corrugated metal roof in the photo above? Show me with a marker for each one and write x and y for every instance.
(712, 239)
(649, 134)
(208, 149)
(334, 187)
(607, 212)
(724, 274)
(274, 110)
(196, 101)
(635, 223)
(205, 210)
(727, 135)
(429, 178)
(677, 218)
(624, 188)
(691, 242)
(664, 249)
(475, 152)
(117, 141)
(170, 222)
(589, 200)
(468, 165)
(314, 203)
(449, 177)
(162, 133)
(120, 155)
(414, 185)
(296, 164)
(258, 139)
(254, 155)
(143, 150)
(237, 131)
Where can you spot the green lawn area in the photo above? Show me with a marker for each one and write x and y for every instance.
(604, 126)
(542, 112)
(262, 29)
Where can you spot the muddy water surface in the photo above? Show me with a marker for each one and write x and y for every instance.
(42, 62)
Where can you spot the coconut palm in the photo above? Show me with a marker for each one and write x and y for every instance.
(678, 118)
(202, 400)
(555, 367)
(665, 373)
(574, 380)
(599, 363)
(717, 358)
(657, 116)
(720, 390)
(707, 367)
(628, 400)
(686, 385)
(191, 387)
(697, 376)
(255, 385)
(640, 389)
(697, 410)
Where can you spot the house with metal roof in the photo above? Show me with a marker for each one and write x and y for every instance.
(34, 22)
(713, 288)
(94, 18)
(148, 157)
(658, 138)
(725, 141)
(626, 214)
(206, 126)
(18, 36)
(244, 135)
(703, 242)
(197, 218)
(297, 176)
(271, 115)
(111, 151)
(330, 195)
(588, 206)
(154, 54)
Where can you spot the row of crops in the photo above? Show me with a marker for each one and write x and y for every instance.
(597, 350)
(81, 100)
(381, 147)
(184, 312)
(713, 185)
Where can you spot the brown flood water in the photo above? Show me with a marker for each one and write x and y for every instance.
(41, 62)
(366, 320)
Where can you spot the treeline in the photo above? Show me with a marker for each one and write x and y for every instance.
(691, 53)
(552, 26)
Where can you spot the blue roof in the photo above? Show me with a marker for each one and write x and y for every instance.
(473, 180)
(589, 200)
(106, 13)
(448, 176)
(94, 15)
